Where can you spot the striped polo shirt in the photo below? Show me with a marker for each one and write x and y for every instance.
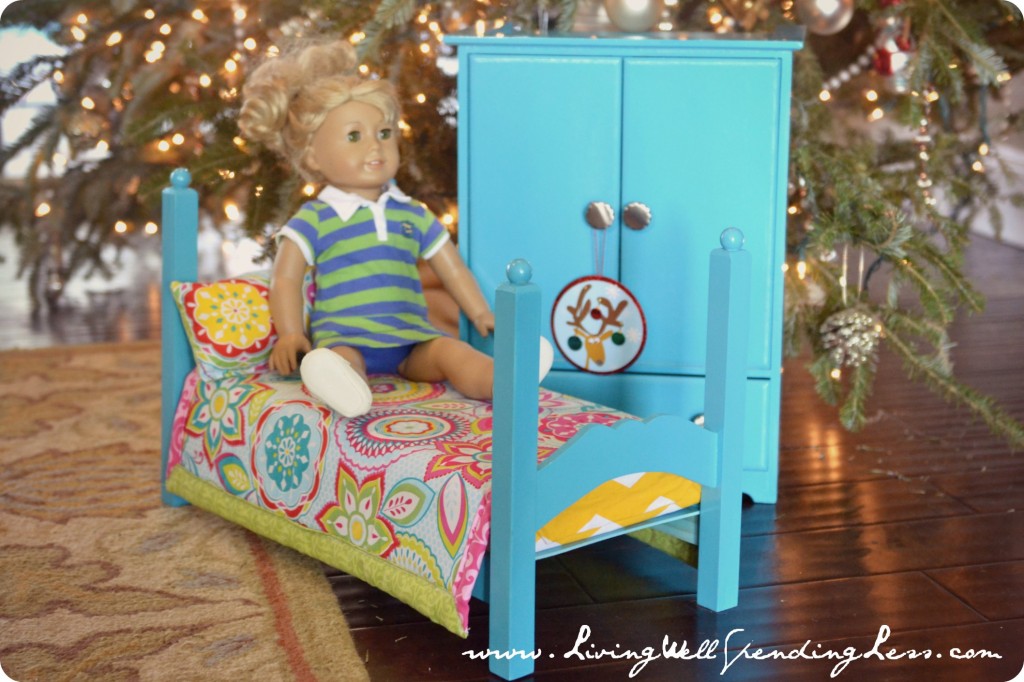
(368, 289)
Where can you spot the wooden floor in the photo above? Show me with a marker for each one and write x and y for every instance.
(913, 528)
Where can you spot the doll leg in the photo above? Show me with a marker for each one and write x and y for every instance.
(469, 371)
(446, 359)
(337, 377)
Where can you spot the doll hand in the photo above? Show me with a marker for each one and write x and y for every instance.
(484, 323)
(284, 359)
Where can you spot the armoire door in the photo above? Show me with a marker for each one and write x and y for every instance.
(700, 149)
(543, 136)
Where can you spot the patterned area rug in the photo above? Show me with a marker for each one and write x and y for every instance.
(99, 581)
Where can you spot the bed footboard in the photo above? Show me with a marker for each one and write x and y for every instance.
(718, 558)
(524, 497)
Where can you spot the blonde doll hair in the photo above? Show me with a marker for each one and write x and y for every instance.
(285, 100)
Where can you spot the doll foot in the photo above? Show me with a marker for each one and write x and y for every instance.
(547, 358)
(330, 378)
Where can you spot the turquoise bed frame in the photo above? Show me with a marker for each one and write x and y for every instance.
(525, 495)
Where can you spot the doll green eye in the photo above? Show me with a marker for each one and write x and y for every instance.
(384, 134)
(354, 136)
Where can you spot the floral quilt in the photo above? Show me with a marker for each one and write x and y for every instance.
(408, 483)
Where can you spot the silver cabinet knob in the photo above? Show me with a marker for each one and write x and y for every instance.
(636, 216)
(599, 215)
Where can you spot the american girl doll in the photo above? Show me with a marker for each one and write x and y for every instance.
(362, 234)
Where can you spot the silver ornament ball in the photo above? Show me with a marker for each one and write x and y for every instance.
(824, 17)
(634, 16)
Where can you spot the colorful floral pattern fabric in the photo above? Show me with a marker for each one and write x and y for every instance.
(409, 482)
(228, 322)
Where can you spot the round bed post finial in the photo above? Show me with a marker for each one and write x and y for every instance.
(180, 178)
(519, 271)
(732, 239)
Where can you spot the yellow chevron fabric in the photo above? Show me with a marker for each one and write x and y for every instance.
(620, 502)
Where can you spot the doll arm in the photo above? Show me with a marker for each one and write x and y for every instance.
(286, 308)
(463, 287)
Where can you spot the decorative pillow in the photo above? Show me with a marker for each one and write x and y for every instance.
(228, 322)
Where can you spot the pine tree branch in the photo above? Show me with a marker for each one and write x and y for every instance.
(852, 414)
(44, 120)
(898, 322)
(824, 385)
(566, 14)
(392, 13)
(954, 392)
(953, 276)
(930, 298)
(987, 63)
(24, 78)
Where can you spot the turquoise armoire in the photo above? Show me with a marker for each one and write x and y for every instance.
(626, 156)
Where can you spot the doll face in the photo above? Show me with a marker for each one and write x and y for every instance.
(355, 149)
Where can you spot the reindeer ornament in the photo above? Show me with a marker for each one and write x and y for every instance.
(591, 312)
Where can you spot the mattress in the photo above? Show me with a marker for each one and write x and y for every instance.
(407, 484)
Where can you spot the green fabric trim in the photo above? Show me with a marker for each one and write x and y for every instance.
(432, 601)
(669, 544)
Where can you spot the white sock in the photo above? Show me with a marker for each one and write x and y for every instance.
(547, 357)
(332, 380)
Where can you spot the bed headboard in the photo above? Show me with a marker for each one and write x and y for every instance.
(180, 263)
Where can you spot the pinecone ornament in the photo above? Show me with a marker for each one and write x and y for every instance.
(851, 337)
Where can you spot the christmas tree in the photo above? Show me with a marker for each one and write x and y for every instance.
(891, 141)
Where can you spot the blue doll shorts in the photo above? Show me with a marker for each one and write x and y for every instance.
(385, 360)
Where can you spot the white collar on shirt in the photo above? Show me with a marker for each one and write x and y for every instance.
(345, 204)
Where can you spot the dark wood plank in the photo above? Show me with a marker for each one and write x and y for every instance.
(900, 444)
(994, 590)
(882, 548)
(988, 488)
(624, 569)
(617, 569)
(857, 503)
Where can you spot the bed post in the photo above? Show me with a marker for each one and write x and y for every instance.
(718, 560)
(179, 263)
(513, 527)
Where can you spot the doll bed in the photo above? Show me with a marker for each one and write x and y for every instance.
(432, 497)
